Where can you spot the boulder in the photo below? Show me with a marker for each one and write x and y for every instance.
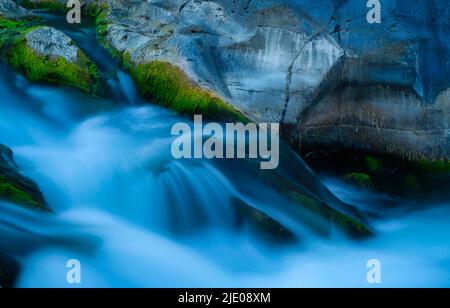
(319, 68)
(11, 10)
(16, 188)
(44, 54)
(52, 43)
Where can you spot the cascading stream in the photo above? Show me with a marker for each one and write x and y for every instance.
(134, 216)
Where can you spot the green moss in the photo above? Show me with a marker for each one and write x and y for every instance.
(12, 24)
(11, 32)
(101, 23)
(411, 182)
(169, 86)
(83, 75)
(291, 192)
(374, 165)
(431, 167)
(264, 225)
(96, 9)
(12, 193)
(49, 5)
(350, 225)
(361, 180)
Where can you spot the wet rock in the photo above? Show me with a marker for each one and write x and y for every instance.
(11, 10)
(16, 188)
(8, 271)
(50, 42)
(22, 191)
(44, 54)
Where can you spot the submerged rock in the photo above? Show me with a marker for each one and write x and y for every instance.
(16, 188)
(8, 271)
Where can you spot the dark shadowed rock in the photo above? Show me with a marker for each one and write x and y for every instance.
(16, 188)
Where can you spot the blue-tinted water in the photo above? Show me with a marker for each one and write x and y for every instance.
(134, 216)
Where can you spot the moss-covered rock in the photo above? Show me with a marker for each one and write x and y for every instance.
(387, 174)
(16, 188)
(165, 83)
(316, 215)
(374, 165)
(359, 179)
(349, 225)
(170, 87)
(45, 54)
(433, 167)
(264, 226)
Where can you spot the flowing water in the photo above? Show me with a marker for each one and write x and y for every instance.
(135, 217)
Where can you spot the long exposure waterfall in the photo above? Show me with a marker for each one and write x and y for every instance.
(135, 216)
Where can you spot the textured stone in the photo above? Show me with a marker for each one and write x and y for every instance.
(48, 41)
(10, 10)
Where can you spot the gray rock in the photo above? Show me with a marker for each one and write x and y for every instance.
(319, 68)
(10, 10)
(50, 42)
(251, 53)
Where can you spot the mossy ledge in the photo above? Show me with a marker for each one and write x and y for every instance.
(264, 226)
(354, 227)
(359, 179)
(82, 74)
(169, 86)
(16, 188)
(416, 179)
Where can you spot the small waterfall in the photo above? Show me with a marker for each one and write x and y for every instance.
(127, 87)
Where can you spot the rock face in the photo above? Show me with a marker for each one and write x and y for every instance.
(10, 10)
(252, 53)
(318, 67)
